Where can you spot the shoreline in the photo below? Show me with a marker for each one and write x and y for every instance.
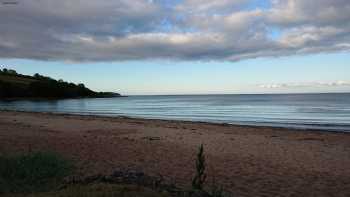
(286, 128)
(247, 161)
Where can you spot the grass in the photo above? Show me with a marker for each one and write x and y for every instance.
(34, 172)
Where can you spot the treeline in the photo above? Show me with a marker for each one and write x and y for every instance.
(14, 85)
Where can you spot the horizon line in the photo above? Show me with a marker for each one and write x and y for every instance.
(208, 94)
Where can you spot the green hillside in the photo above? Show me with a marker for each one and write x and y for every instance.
(14, 85)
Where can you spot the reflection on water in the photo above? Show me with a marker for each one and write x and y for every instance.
(319, 111)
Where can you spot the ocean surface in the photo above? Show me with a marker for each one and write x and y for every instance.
(304, 111)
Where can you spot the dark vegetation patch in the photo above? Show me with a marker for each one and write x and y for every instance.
(14, 85)
(34, 172)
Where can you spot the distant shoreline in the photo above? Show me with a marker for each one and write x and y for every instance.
(53, 98)
(17, 86)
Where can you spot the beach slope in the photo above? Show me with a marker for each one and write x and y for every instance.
(249, 161)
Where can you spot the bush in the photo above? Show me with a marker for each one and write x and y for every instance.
(34, 172)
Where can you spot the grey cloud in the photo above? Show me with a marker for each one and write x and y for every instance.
(91, 30)
(320, 12)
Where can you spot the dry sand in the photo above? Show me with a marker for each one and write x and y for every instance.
(249, 161)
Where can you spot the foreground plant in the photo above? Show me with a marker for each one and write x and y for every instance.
(200, 176)
(199, 179)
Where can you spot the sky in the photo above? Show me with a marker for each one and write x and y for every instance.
(181, 46)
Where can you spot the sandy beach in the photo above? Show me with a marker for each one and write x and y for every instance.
(249, 161)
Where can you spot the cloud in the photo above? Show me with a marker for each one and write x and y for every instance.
(222, 30)
(305, 85)
(301, 12)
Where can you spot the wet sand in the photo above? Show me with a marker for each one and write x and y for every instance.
(249, 161)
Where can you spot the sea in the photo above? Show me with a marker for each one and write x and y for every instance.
(329, 111)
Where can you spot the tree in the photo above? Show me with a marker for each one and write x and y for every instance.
(12, 72)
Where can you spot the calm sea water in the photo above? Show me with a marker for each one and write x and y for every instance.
(307, 111)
